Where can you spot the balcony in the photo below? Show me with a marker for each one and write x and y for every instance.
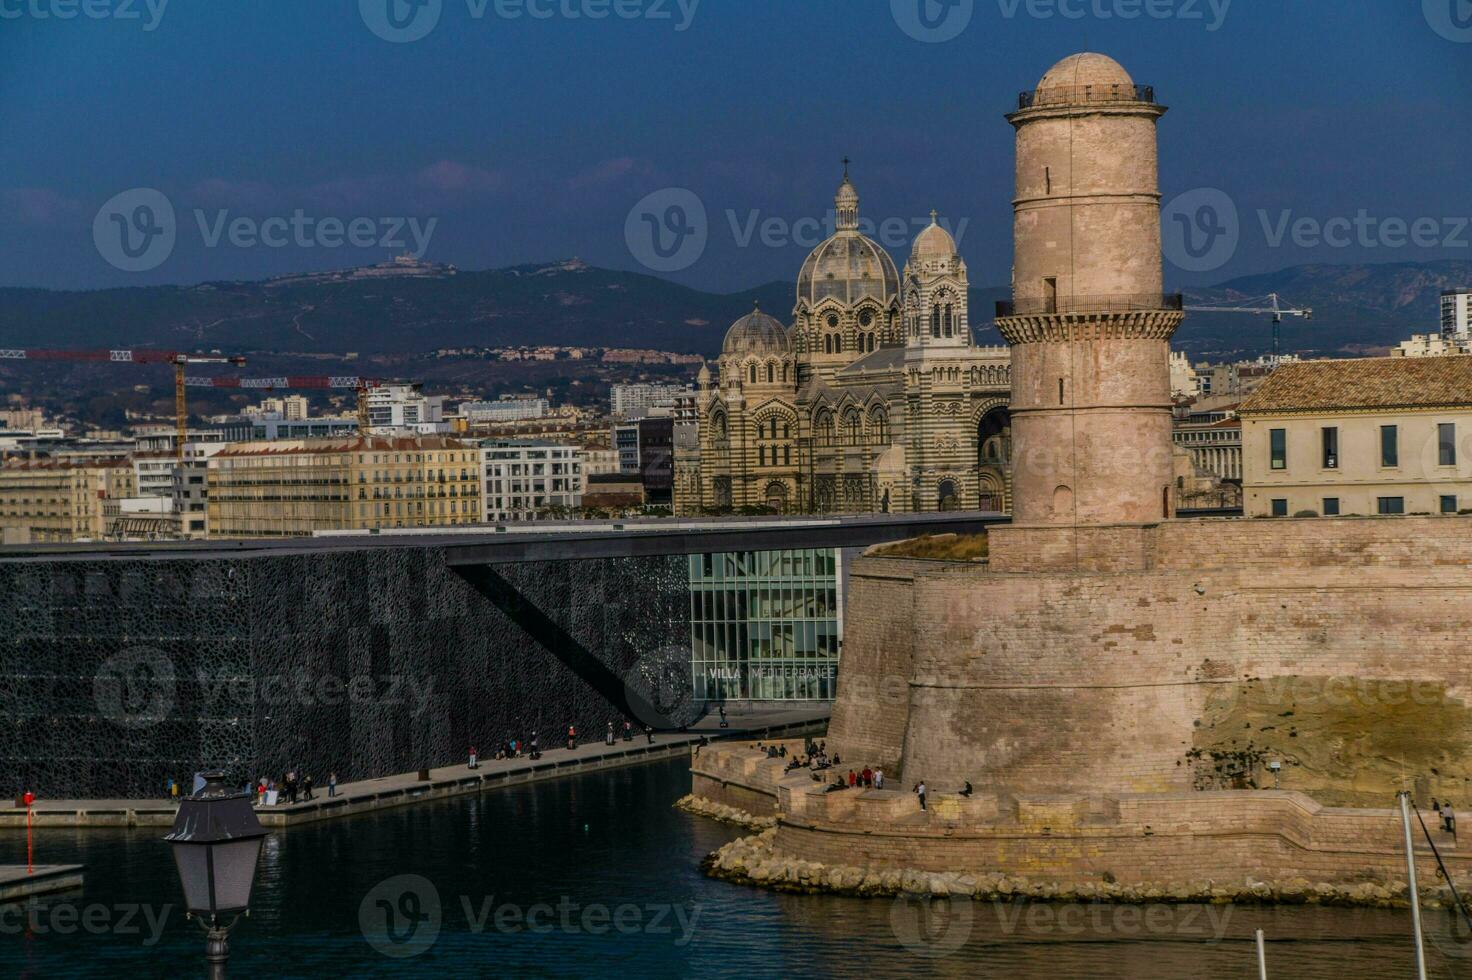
(1085, 95)
(1118, 303)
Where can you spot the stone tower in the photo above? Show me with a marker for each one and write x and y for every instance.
(1088, 325)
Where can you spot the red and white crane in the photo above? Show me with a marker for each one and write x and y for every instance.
(178, 359)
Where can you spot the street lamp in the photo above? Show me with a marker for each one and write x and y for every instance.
(217, 840)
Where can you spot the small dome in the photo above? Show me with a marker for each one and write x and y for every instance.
(847, 192)
(756, 333)
(1087, 68)
(933, 243)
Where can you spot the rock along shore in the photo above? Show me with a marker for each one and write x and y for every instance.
(754, 861)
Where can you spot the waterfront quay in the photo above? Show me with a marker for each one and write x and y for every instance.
(405, 789)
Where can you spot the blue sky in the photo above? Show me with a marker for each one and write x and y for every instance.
(527, 139)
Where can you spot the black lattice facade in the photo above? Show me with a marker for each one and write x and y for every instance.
(117, 674)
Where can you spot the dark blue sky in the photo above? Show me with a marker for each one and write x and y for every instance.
(529, 139)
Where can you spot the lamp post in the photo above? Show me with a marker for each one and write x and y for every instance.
(217, 841)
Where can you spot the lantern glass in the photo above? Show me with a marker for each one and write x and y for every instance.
(216, 842)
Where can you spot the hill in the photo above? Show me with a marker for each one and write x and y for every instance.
(1358, 309)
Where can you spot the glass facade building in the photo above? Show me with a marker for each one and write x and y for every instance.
(765, 625)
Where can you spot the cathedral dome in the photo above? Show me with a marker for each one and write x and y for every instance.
(848, 266)
(1083, 69)
(756, 333)
(933, 243)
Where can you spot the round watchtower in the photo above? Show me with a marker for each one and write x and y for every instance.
(1088, 324)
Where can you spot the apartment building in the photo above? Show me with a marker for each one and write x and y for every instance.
(58, 501)
(1385, 435)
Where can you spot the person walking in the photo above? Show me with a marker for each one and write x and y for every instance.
(331, 784)
(1449, 818)
(306, 788)
(649, 734)
(628, 731)
(608, 736)
(572, 738)
(533, 750)
(920, 792)
(878, 778)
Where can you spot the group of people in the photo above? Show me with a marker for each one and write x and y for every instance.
(1448, 815)
(292, 788)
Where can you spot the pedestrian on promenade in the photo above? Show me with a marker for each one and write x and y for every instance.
(853, 779)
(291, 787)
(171, 788)
(473, 763)
(536, 753)
(572, 738)
(608, 736)
(649, 734)
(867, 776)
(628, 731)
(331, 784)
(920, 792)
(878, 778)
(722, 710)
(306, 788)
(1449, 818)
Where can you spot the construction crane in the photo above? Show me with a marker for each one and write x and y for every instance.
(179, 360)
(1275, 308)
(319, 382)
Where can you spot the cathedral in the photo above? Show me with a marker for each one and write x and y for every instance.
(875, 399)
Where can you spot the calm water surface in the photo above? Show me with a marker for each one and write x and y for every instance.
(608, 873)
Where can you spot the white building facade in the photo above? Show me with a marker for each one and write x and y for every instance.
(525, 479)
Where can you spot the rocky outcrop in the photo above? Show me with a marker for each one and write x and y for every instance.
(755, 861)
(702, 807)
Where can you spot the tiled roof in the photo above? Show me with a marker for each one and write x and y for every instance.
(1371, 382)
(350, 445)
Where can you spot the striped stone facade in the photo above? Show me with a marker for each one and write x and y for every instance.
(875, 399)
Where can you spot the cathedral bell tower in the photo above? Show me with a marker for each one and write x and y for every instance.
(1088, 324)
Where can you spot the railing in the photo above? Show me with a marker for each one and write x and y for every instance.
(1085, 94)
(1118, 303)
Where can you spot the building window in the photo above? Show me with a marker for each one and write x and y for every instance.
(1331, 506)
(1278, 447)
(1391, 505)
(1389, 446)
(1331, 448)
(1448, 504)
(1280, 507)
(1446, 444)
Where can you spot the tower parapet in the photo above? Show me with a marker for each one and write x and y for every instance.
(1089, 323)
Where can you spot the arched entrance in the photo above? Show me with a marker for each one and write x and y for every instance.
(946, 496)
(993, 458)
(775, 497)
